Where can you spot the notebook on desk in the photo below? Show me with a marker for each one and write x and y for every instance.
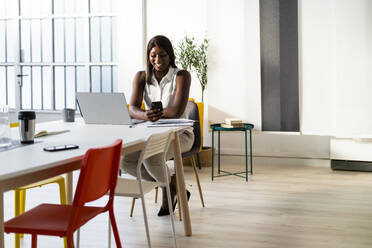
(104, 108)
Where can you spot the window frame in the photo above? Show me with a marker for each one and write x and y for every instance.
(87, 64)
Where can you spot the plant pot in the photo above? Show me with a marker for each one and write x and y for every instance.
(205, 158)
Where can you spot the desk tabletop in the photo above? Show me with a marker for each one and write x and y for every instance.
(31, 158)
(28, 164)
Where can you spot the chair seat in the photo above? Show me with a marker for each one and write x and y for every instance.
(129, 187)
(43, 182)
(48, 219)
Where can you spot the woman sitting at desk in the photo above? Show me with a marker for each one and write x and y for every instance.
(162, 81)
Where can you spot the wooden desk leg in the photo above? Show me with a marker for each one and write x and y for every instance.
(1, 219)
(69, 187)
(181, 185)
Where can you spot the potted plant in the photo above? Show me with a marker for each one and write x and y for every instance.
(193, 57)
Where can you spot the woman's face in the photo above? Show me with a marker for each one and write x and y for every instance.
(159, 58)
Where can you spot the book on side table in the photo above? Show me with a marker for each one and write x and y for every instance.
(232, 123)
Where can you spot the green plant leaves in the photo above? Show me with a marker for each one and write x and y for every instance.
(192, 56)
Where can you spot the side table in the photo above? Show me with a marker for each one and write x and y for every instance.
(245, 128)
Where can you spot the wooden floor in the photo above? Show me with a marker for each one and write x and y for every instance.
(291, 205)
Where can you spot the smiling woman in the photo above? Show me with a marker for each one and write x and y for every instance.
(161, 82)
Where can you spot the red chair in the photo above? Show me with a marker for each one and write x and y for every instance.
(98, 175)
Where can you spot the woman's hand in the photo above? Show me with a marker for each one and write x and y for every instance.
(154, 114)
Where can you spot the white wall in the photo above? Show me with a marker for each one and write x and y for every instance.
(336, 67)
(317, 65)
(353, 105)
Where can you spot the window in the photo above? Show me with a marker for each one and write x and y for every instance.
(50, 49)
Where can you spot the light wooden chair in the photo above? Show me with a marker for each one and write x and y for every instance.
(136, 187)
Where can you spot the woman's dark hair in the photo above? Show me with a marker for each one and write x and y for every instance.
(164, 43)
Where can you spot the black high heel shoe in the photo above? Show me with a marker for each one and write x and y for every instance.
(188, 194)
(164, 211)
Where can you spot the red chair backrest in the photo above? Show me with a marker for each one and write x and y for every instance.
(98, 174)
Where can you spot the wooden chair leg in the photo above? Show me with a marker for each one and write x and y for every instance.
(197, 179)
(179, 206)
(156, 194)
(132, 207)
(198, 159)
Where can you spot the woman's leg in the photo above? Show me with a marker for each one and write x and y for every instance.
(152, 166)
(173, 191)
(186, 142)
(129, 163)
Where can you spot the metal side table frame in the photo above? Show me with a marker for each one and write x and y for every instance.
(245, 128)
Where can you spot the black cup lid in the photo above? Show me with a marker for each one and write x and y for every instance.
(26, 115)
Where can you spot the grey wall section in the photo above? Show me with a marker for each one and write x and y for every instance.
(270, 64)
(279, 65)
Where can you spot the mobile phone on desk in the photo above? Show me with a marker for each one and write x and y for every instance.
(60, 148)
(157, 105)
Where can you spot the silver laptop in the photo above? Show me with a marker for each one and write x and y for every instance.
(104, 108)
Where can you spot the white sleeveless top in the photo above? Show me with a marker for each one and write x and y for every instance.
(163, 91)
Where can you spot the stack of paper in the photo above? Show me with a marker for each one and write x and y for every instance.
(170, 123)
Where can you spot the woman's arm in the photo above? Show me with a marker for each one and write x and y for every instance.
(183, 82)
(135, 110)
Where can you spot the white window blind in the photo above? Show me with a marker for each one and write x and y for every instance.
(336, 51)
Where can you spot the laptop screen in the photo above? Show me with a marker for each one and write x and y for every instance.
(103, 108)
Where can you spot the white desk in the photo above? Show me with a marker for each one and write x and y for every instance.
(28, 164)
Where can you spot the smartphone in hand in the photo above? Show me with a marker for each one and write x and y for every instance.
(157, 105)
